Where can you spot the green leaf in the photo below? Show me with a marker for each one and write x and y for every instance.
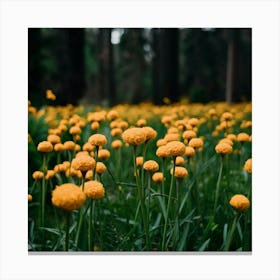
(204, 245)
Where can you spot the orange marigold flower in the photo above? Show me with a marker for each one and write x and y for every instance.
(103, 154)
(158, 177)
(116, 131)
(94, 189)
(193, 122)
(37, 175)
(223, 148)
(190, 151)
(94, 125)
(149, 132)
(97, 139)
(226, 116)
(180, 172)
(239, 202)
(74, 130)
(116, 144)
(172, 137)
(179, 160)
(68, 197)
(151, 166)
(50, 174)
(161, 142)
(45, 147)
(162, 151)
(69, 145)
(83, 163)
(248, 165)
(196, 143)
(30, 197)
(54, 139)
(176, 148)
(189, 134)
(50, 95)
(112, 115)
(243, 137)
(139, 161)
(231, 136)
(59, 147)
(141, 122)
(227, 141)
(100, 167)
(134, 136)
(88, 147)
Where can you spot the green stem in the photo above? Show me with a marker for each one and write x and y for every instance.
(43, 202)
(66, 245)
(218, 186)
(91, 225)
(164, 245)
(231, 232)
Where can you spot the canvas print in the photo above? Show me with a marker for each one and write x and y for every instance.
(139, 140)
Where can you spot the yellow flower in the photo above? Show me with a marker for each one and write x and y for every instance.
(172, 137)
(83, 163)
(176, 148)
(54, 139)
(116, 144)
(134, 136)
(179, 160)
(94, 189)
(231, 136)
(30, 197)
(193, 122)
(88, 147)
(141, 122)
(151, 166)
(223, 148)
(239, 202)
(69, 145)
(116, 131)
(196, 143)
(112, 115)
(243, 137)
(100, 167)
(189, 134)
(50, 95)
(190, 151)
(75, 130)
(94, 125)
(227, 141)
(162, 151)
(149, 132)
(68, 196)
(37, 175)
(248, 165)
(45, 147)
(161, 142)
(226, 116)
(139, 161)
(180, 172)
(97, 139)
(158, 177)
(103, 154)
(59, 147)
(50, 174)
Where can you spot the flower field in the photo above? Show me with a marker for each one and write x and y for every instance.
(132, 178)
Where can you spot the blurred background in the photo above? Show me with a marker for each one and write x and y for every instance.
(107, 66)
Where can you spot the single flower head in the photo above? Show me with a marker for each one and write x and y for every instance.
(94, 189)
(83, 163)
(97, 139)
(239, 202)
(223, 148)
(45, 147)
(134, 136)
(248, 165)
(176, 148)
(158, 177)
(180, 172)
(151, 166)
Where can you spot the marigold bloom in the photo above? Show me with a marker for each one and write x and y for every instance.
(161, 142)
(231, 136)
(149, 132)
(190, 151)
(94, 125)
(151, 166)
(139, 161)
(112, 115)
(69, 145)
(248, 165)
(100, 167)
(45, 147)
(179, 160)
(223, 148)
(180, 172)
(50, 174)
(141, 122)
(162, 151)
(172, 137)
(68, 196)
(94, 189)
(83, 163)
(89, 175)
(59, 147)
(176, 148)
(172, 130)
(158, 177)
(75, 130)
(134, 136)
(116, 131)
(123, 125)
(116, 144)
(54, 139)
(88, 147)
(240, 202)
(30, 197)
(193, 122)
(37, 175)
(227, 141)
(103, 154)
(189, 134)
(212, 112)
(97, 139)
(196, 143)
(226, 116)
(243, 137)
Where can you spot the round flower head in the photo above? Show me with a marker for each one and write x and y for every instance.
(38, 175)
(248, 165)
(95, 125)
(151, 166)
(141, 122)
(189, 134)
(150, 133)
(227, 141)
(123, 125)
(97, 140)
(190, 151)
(50, 174)
(69, 145)
(161, 142)
(83, 163)
(103, 154)
(196, 143)
(179, 160)
(75, 130)
(30, 197)
(54, 139)
(134, 136)
(172, 137)
(193, 122)
(88, 147)
(116, 131)
(94, 189)
(58, 147)
(243, 137)
(231, 137)
(77, 147)
(68, 196)
(100, 167)
(176, 148)
(50, 95)
(212, 112)
(162, 151)
(112, 115)
(158, 177)
(89, 175)
(45, 147)
(226, 116)
(223, 148)
(116, 144)
(239, 202)
(180, 172)
(139, 161)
